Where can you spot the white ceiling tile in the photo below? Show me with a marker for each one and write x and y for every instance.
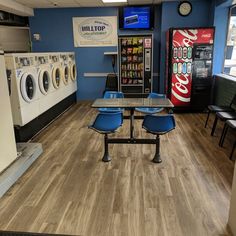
(81, 3)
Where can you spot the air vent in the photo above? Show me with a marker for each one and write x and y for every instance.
(13, 20)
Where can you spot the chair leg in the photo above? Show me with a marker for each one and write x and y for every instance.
(232, 152)
(157, 157)
(214, 126)
(207, 118)
(223, 135)
(106, 157)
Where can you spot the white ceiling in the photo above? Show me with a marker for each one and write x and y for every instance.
(80, 3)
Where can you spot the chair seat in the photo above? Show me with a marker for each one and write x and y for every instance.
(106, 123)
(231, 123)
(149, 110)
(226, 115)
(160, 124)
(214, 108)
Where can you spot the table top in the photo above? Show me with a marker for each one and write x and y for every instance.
(132, 103)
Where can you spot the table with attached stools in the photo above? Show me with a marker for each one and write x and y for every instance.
(154, 124)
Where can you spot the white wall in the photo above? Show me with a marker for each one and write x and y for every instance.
(232, 213)
(7, 140)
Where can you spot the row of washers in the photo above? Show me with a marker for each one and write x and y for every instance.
(62, 67)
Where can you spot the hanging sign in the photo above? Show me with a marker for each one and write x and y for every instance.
(95, 31)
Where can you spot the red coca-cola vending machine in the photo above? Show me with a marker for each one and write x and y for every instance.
(189, 59)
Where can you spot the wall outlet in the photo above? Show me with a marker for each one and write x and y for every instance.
(37, 37)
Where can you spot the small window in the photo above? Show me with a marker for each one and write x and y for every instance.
(230, 52)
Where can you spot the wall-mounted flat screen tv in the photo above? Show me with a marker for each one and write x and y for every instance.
(136, 17)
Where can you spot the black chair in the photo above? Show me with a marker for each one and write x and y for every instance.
(214, 109)
(228, 124)
(111, 83)
(223, 116)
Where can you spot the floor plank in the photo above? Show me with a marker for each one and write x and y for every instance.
(68, 190)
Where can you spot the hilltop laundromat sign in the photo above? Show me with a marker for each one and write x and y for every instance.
(95, 31)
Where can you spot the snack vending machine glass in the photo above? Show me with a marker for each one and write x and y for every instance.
(135, 65)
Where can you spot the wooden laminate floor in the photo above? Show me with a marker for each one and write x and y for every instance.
(68, 190)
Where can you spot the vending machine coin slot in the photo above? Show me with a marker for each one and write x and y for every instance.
(147, 59)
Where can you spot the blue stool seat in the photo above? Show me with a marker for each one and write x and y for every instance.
(109, 95)
(147, 110)
(158, 125)
(106, 123)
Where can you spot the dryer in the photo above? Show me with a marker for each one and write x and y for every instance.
(24, 96)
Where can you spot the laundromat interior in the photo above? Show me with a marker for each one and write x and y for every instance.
(118, 117)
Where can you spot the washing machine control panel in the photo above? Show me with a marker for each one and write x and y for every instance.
(72, 57)
(24, 61)
(42, 60)
(54, 58)
(64, 57)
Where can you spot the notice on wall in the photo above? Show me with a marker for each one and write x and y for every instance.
(95, 31)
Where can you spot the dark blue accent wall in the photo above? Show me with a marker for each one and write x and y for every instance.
(55, 27)
(171, 19)
(221, 18)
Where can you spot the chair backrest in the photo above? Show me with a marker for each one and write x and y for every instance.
(113, 94)
(233, 102)
(111, 82)
(156, 95)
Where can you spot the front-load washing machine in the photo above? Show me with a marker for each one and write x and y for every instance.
(24, 87)
(56, 75)
(44, 81)
(66, 87)
(73, 71)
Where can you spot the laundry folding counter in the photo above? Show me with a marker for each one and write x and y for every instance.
(130, 104)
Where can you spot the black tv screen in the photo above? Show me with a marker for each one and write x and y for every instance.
(136, 17)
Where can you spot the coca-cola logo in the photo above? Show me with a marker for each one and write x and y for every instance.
(189, 37)
(181, 87)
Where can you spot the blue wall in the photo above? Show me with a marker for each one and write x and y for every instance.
(55, 27)
(221, 24)
(171, 19)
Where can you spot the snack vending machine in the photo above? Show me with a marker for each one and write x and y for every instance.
(135, 65)
(189, 60)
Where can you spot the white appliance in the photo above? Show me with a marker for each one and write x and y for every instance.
(65, 86)
(8, 151)
(73, 71)
(56, 75)
(44, 82)
(24, 87)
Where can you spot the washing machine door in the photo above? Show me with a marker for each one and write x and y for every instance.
(44, 81)
(73, 72)
(28, 87)
(56, 77)
(66, 75)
